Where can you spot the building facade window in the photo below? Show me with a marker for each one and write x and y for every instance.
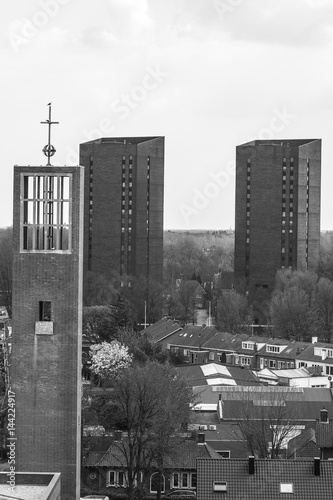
(45, 310)
(154, 482)
(184, 480)
(116, 478)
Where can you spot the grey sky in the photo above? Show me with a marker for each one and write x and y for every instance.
(207, 74)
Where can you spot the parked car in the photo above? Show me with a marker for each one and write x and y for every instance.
(180, 494)
(96, 497)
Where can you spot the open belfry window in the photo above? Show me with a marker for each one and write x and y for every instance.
(46, 212)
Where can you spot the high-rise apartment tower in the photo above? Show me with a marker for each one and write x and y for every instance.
(123, 222)
(277, 210)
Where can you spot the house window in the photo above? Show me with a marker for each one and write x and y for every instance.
(271, 363)
(272, 348)
(155, 480)
(45, 212)
(248, 345)
(116, 478)
(211, 356)
(184, 480)
(224, 453)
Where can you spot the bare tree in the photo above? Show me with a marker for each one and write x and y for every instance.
(292, 314)
(324, 308)
(232, 311)
(154, 401)
(98, 290)
(266, 417)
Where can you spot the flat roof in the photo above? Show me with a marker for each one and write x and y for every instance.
(279, 142)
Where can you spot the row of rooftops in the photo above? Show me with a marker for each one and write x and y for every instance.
(168, 332)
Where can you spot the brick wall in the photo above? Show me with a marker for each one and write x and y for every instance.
(46, 369)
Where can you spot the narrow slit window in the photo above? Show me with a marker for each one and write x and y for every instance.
(45, 310)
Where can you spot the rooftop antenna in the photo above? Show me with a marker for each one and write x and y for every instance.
(49, 150)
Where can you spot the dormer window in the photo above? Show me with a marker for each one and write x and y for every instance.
(248, 345)
(273, 348)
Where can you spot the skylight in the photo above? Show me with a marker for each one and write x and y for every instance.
(286, 488)
(215, 369)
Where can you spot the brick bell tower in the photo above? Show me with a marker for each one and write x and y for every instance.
(47, 319)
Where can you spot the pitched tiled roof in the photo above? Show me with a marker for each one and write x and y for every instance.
(297, 444)
(291, 351)
(194, 286)
(225, 341)
(192, 336)
(162, 329)
(184, 455)
(305, 403)
(92, 458)
(256, 340)
(265, 483)
(308, 354)
(218, 374)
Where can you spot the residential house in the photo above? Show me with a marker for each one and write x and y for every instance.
(303, 445)
(188, 342)
(246, 354)
(317, 354)
(223, 347)
(106, 473)
(224, 437)
(294, 377)
(279, 354)
(161, 330)
(301, 405)
(253, 479)
(293, 407)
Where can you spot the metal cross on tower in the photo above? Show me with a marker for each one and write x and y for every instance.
(49, 150)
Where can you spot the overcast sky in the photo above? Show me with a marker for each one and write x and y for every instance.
(206, 74)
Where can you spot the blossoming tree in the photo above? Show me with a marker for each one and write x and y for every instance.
(108, 359)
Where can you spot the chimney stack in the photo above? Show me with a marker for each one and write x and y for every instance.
(251, 465)
(317, 466)
(324, 416)
(201, 438)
